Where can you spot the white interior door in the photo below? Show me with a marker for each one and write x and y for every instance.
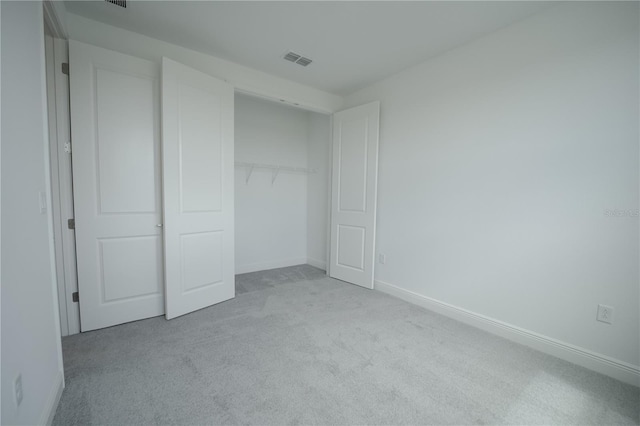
(198, 171)
(353, 194)
(116, 185)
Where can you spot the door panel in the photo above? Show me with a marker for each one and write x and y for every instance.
(353, 194)
(352, 155)
(126, 142)
(135, 260)
(115, 126)
(198, 171)
(351, 241)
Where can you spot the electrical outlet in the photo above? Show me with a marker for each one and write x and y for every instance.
(382, 258)
(17, 388)
(605, 314)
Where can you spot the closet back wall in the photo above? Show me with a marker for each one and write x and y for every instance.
(271, 219)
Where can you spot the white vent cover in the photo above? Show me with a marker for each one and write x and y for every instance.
(304, 61)
(298, 59)
(292, 57)
(121, 3)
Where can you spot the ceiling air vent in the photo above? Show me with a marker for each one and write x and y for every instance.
(121, 3)
(295, 58)
(291, 57)
(304, 61)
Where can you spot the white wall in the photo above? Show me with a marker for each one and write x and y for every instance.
(498, 161)
(319, 143)
(243, 78)
(30, 324)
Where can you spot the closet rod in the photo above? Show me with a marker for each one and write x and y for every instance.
(275, 168)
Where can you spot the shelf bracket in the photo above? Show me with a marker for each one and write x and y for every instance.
(274, 175)
(249, 171)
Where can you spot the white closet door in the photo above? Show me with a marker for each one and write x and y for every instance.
(198, 171)
(116, 185)
(353, 194)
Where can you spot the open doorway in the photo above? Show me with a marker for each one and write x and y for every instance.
(282, 159)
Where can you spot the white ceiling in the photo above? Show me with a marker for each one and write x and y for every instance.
(352, 43)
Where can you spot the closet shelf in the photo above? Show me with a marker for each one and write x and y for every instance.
(275, 169)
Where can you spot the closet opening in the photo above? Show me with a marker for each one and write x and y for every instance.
(282, 192)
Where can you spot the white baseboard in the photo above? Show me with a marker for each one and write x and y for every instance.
(49, 411)
(263, 266)
(617, 369)
(320, 264)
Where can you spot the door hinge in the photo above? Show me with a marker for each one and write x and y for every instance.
(65, 68)
(71, 223)
(67, 147)
(75, 297)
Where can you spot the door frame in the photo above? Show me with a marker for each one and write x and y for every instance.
(61, 175)
(327, 269)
